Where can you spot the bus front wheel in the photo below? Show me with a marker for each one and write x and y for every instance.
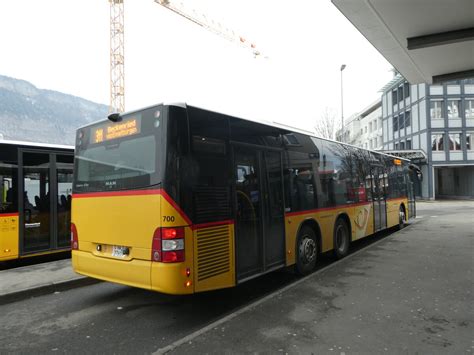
(401, 218)
(306, 251)
(341, 239)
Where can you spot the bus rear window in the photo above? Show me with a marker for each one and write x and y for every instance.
(118, 156)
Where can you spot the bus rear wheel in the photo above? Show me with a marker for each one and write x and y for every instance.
(341, 239)
(306, 251)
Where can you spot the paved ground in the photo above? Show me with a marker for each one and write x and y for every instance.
(32, 280)
(409, 293)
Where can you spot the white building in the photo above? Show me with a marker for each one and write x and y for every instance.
(364, 129)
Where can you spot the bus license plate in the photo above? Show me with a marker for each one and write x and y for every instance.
(119, 251)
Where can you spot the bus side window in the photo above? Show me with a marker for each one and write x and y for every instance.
(304, 188)
(288, 187)
(8, 190)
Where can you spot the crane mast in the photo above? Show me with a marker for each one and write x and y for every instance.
(117, 68)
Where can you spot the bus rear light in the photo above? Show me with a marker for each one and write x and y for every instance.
(172, 233)
(173, 256)
(74, 237)
(174, 244)
(188, 272)
(168, 245)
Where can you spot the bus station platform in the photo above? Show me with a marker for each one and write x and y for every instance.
(39, 279)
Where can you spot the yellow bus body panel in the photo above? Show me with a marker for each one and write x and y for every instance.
(9, 237)
(214, 261)
(361, 217)
(393, 208)
(130, 221)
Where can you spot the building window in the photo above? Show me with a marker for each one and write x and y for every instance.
(437, 143)
(453, 108)
(407, 119)
(469, 108)
(375, 125)
(396, 146)
(402, 145)
(370, 126)
(400, 93)
(455, 141)
(436, 109)
(395, 123)
(375, 142)
(401, 121)
(408, 144)
(406, 90)
(468, 140)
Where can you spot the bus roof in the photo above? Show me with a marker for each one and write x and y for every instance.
(273, 124)
(291, 129)
(36, 144)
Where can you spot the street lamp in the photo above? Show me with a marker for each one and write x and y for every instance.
(343, 66)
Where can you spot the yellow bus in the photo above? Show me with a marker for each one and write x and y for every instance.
(35, 198)
(178, 199)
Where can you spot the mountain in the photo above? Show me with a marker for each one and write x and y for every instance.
(35, 115)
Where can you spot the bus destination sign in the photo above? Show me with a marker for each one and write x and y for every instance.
(112, 131)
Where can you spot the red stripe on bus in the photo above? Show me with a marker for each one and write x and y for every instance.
(9, 214)
(290, 214)
(212, 224)
(118, 193)
(175, 206)
(137, 193)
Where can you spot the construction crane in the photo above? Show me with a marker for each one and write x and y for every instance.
(209, 24)
(117, 56)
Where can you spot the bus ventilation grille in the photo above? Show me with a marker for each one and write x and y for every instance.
(211, 204)
(213, 251)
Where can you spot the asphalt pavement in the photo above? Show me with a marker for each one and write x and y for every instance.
(34, 280)
(411, 292)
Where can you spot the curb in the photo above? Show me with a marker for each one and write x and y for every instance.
(46, 289)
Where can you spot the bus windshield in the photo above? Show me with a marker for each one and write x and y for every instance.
(118, 156)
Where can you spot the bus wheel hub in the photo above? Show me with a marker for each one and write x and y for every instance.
(308, 249)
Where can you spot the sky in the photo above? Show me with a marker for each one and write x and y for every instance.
(63, 45)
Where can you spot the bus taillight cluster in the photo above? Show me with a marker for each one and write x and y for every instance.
(168, 245)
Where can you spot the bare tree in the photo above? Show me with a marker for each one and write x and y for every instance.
(326, 126)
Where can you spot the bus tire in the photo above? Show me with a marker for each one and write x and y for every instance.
(306, 251)
(342, 239)
(401, 217)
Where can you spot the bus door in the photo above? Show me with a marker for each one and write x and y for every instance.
(411, 196)
(380, 204)
(44, 200)
(259, 220)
